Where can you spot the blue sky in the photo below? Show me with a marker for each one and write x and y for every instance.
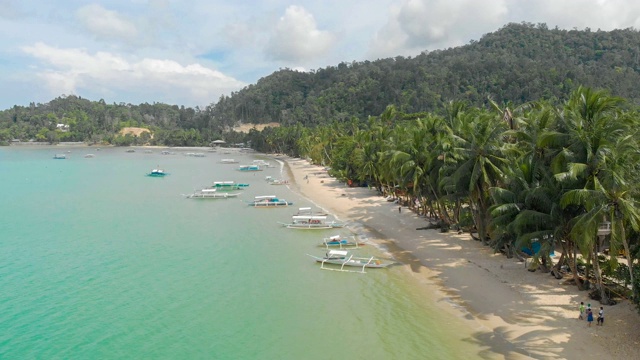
(191, 52)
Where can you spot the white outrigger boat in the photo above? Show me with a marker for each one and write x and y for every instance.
(343, 258)
(211, 194)
(279, 182)
(269, 201)
(250, 168)
(314, 222)
(229, 161)
(263, 163)
(306, 211)
(228, 185)
(341, 242)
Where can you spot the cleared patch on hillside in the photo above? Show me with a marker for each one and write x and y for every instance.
(135, 131)
(244, 128)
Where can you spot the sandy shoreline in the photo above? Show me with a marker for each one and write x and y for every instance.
(520, 314)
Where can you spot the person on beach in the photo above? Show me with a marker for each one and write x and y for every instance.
(600, 317)
(581, 308)
(399, 209)
(589, 316)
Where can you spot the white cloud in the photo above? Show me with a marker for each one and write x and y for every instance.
(594, 14)
(417, 25)
(296, 38)
(106, 24)
(71, 71)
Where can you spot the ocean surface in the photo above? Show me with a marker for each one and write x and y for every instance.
(99, 261)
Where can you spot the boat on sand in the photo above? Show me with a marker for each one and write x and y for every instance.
(313, 222)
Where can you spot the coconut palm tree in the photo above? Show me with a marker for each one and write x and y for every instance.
(477, 140)
(596, 139)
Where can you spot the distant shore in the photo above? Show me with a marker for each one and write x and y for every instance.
(519, 314)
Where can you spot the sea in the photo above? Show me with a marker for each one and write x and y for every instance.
(100, 261)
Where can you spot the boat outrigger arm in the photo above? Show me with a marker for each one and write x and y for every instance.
(345, 253)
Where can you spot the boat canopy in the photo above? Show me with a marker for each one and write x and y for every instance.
(265, 197)
(308, 217)
(338, 252)
(304, 209)
(208, 190)
(334, 237)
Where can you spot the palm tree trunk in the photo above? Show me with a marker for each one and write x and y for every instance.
(573, 264)
(604, 299)
(627, 255)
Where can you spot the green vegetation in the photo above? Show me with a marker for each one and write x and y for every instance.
(514, 65)
(539, 173)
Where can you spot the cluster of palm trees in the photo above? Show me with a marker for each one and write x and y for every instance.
(536, 173)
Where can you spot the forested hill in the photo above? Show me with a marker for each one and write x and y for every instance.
(518, 63)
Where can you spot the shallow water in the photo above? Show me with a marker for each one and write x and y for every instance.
(98, 260)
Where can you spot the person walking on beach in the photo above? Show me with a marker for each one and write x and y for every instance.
(600, 317)
(581, 308)
(589, 316)
(399, 209)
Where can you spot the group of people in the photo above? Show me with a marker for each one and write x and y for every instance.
(589, 314)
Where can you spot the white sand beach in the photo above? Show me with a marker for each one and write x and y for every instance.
(521, 314)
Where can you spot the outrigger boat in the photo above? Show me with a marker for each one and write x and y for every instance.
(337, 241)
(211, 194)
(157, 173)
(228, 161)
(343, 258)
(306, 211)
(228, 185)
(249, 168)
(262, 163)
(59, 156)
(269, 201)
(279, 182)
(315, 222)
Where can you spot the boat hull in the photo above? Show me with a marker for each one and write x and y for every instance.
(271, 205)
(214, 196)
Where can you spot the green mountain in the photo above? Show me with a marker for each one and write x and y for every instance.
(516, 64)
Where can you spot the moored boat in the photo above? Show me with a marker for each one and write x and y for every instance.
(305, 211)
(228, 185)
(262, 163)
(344, 258)
(228, 161)
(315, 222)
(269, 201)
(211, 194)
(59, 156)
(250, 168)
(157, 173)
(279, 182)
(341, 242)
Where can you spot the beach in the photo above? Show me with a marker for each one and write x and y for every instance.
(515, 314)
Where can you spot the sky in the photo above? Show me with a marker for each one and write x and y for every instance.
(191, 52)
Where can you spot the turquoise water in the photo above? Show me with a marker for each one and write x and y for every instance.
(98, 260)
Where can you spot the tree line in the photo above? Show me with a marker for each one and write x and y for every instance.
(541, 173)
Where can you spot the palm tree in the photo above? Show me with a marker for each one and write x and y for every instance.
(596, 140)
(477, 136)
